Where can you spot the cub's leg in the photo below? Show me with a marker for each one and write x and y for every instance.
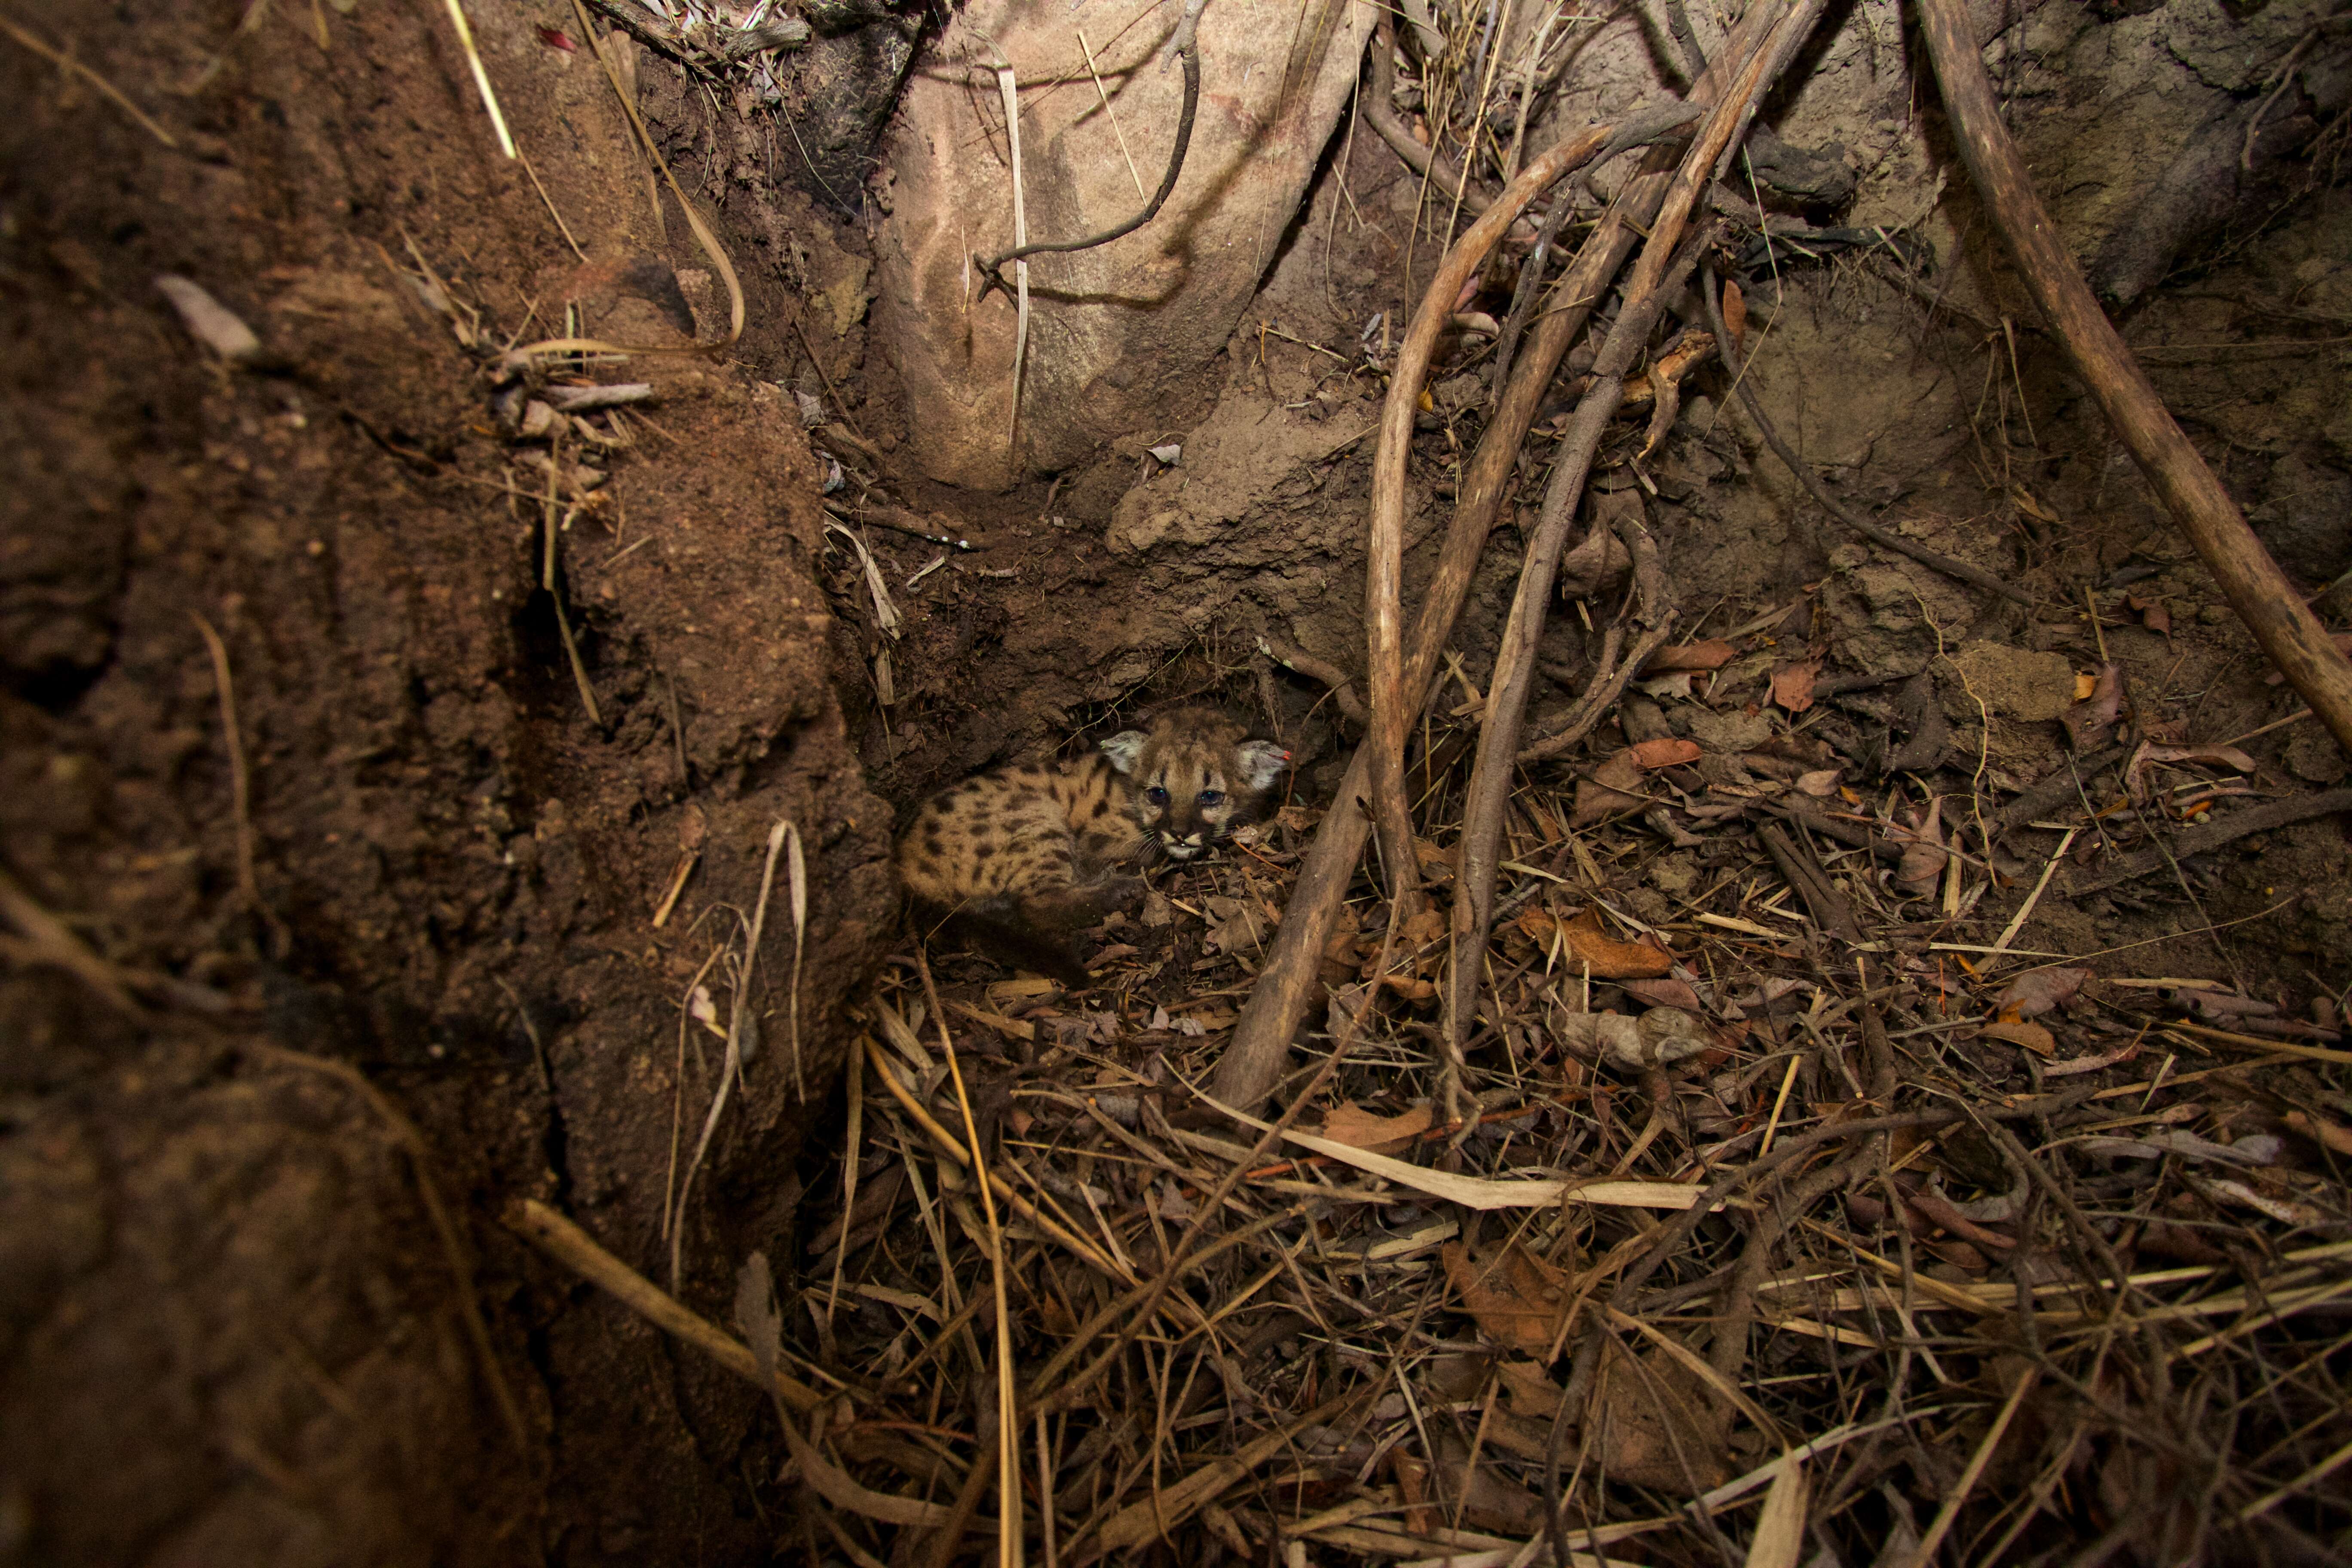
(1005, 928)
(1086, 904)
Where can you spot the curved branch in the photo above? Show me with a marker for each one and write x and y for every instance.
(1186, 45)
(1666, 259)
(1379, 108)
(1341, 684)
(1270, 1019)
(1384, 548)
(2260, 594)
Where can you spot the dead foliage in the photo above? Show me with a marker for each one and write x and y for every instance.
(1779, 1198)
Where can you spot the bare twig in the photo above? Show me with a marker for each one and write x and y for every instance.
(567, 1244)
(2273, 610)
(65, 62)
(1185, 45)
(1383, 610)
(1666, 259)
(1269, 1020)
(1341, 684)
(1379, 106)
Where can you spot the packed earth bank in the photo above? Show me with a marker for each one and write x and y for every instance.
(394, 778)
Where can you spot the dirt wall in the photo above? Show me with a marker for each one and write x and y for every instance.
(230, 1332)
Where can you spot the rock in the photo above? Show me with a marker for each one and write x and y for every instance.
(1119, 334)
(1727, 733)
(2313, 754)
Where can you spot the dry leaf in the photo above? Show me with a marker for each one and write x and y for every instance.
(1821, 784)
(1348, 1004)
(1435, 863)
(2089, 721)
(2091, 1064)
(2037, 991)
(2286, 1211)
(2028, 1036)
(2253, 1153)
(2152, 615)
(1667, 993)
(1616, 785)
(1359, 1129)
(2318, 1130)
(1672, 687)
(1734, 316)
(1488, 1498)
(2135, 781)
(1480, 1193)
(1517, 1298)
(1713, 654)
(1923, 850)
(1792, 685)
(1010, 1028)
(1607, 958)
(1530, 1390)
(1665, 752)
(1598, 560)
(1236, 925)
(1780, 1529)
(1432, 924)
(1660, 1426)
(1658, 1038)
(2031, 507)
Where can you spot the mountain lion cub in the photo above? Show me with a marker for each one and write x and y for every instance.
(1024, 856)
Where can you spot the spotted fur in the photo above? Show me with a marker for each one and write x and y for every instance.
(1024, 856)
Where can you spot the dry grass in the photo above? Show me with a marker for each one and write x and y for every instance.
(2111, 1311)
(1866, 1230)
(1803, 1206)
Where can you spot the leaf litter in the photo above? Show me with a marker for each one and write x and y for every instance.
(1784, 1213)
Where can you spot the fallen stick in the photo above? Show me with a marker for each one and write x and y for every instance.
(1340, 683)
(1613, 673)
(2272, 608)
(1380, 109)
(1515, 660)
(1253, 1063)
(577, 1250)
(2210, 835)
(1183, 44)
(1665, 261)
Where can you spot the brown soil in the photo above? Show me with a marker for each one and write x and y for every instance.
(221, 1292)
(230, 1328)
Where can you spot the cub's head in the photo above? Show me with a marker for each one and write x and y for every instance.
(1195, 777)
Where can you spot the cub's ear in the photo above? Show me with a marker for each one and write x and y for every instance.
(1262, 764)
(1124, 750)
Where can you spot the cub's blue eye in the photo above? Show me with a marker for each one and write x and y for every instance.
(1155, 795)
(1211, 797)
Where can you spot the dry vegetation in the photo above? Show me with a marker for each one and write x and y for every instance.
(1771, 1196)
(1692, 1153)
